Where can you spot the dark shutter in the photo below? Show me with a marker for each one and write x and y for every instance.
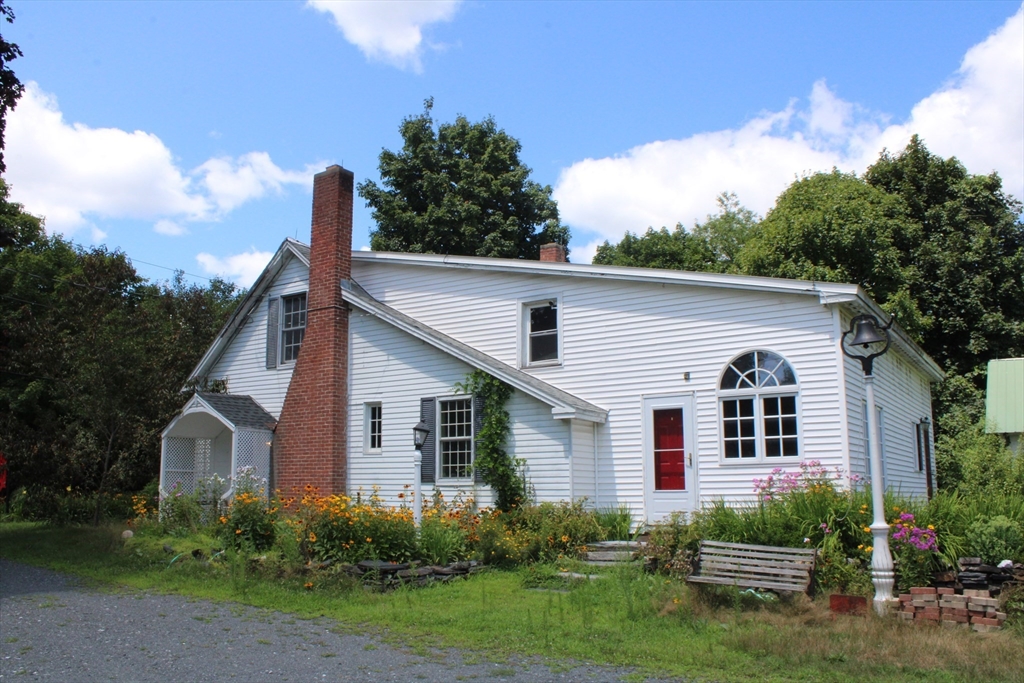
(429, 451)
(273, 319)
(478, 423)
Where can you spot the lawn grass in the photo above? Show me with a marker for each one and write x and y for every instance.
(625, 619)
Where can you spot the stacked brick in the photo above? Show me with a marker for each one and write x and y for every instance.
(973, 609)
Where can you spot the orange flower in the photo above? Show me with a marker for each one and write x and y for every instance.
(238, 531)
(312, 537)
(369, 540)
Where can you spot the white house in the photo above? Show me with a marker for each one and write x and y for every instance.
(658, 389)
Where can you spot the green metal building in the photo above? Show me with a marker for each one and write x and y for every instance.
(1004, 400)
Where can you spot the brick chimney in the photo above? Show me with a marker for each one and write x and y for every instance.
(552, 252)
(310, 440)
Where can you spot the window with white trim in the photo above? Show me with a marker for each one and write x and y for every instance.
(540, 321)
(758, 396)
(293, 326)
(373, 428)
(455, 437)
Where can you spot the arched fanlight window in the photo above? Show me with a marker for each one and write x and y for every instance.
(759, 408)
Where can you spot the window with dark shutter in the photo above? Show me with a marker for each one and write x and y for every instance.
(429, 452)
(273, 319)
(478, 423)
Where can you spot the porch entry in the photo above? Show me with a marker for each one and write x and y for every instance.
(670, 476)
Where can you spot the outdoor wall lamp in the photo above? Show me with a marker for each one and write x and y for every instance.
(867, 334)
(419, 437)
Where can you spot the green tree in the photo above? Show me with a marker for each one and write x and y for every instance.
(460, 188)
(92, 359)
(10, 87)
(711, 246)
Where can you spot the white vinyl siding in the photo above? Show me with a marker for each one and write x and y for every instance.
(903, 393)
(243, 363)
(397, 370)
(621, 340)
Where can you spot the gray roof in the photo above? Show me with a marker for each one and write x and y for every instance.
(239, 410)
(563, 404)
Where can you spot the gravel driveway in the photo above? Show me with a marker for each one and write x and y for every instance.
(53, 628)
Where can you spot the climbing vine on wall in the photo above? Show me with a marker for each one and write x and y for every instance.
(498, 469)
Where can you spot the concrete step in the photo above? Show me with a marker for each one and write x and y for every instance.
(609, 556)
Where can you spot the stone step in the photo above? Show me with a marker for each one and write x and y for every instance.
(617, 545)
(610, 556)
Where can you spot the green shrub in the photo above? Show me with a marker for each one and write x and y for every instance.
(673, 545)
(181, 513)
(249, 522)
(500, 544)
(441, 540)
(340, 529)
(616, 523)
(976, 463)
(995, 540)
(556, 530)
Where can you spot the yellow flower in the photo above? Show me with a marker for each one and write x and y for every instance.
(565, 539)
(238, 531)
(369, 540)
(932, 527)
(860, 547)
(223, 520)
(312, 537)
(308, 585)
(69, 488)
(868, 549)
(675, 601)
(867, 530)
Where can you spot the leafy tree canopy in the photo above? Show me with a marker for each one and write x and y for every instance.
(10, 86)
(92, 358)
(940, 248)
(711, 246)
(460, 188)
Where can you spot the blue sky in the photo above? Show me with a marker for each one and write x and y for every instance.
(185, 134)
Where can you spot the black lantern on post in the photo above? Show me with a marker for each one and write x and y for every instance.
(419, 437)
(419, 434)
(867, 332)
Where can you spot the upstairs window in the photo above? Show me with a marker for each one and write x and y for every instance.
(293, 326)
(758, 395)
(541, 323)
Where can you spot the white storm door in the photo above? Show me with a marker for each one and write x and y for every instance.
(670, 476)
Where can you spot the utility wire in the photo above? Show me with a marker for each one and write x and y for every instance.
(157, 265)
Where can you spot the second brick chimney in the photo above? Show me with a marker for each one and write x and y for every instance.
(310, 441)
(552, 252)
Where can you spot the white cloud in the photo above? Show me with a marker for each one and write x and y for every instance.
(166, 227)
(387, 31)
(69, 172)
(975, 117)
(242, 268)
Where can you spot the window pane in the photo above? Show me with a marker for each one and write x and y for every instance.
(669, 470)
(543, 318)
(732, 449)
(748, 449)
(771, 406)
(789, 426)
(730, 379)
(789, 447)
(729, 408)
(788, 405)
(746, 407)
(732, 429)
(543, 347)
(747, 429)
(772, 448)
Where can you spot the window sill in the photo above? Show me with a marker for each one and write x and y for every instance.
(543, 364)
(762, 460)
(372, 451)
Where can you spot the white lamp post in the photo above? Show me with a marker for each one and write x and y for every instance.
(867, 333)
(419, 437)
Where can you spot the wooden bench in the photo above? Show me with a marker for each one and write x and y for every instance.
(755, 566)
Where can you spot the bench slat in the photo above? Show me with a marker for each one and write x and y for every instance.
(714, 552)
(760, 548)
(720, 565)
(770, 585)
(754, 558)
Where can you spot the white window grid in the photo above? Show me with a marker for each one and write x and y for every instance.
(455, 436)
(760, 406)
(293, 326)
(374, 438)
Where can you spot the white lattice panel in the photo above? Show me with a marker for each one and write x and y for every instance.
(179, 464)
(253, 450)
(204, 447)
